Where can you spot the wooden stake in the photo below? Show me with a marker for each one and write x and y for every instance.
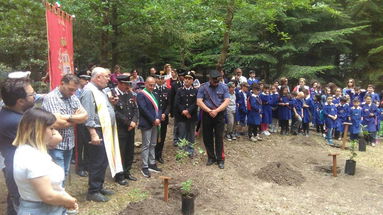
(166, 187)
(334, 172)
(344, 139)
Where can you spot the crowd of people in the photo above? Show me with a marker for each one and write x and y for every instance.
(92, 118)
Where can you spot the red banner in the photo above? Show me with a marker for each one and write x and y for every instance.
(60, 44)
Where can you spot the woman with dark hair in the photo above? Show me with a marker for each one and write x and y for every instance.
(135, 78)
(284, 83)
(315, 88)
(38, 178)
(350, 86)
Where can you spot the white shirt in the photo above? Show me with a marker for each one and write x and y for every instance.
(30, 163)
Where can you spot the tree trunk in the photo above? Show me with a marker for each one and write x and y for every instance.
(115, 53)
(105, 35)
(226, 35)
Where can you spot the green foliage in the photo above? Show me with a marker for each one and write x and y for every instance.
(186, 187)
(325, 40)
(353, 153)
(334, 36)
(310, 72)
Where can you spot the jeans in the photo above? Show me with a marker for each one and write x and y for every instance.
(62, 158)
(296, 124)
(186, 131)
(329, 136)
(39, 208)
(149, 141)
(230, 122)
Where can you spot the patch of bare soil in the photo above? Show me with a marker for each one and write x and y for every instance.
(281, 173)
(155, 204)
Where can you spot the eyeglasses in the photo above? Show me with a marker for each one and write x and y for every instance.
(32, 94)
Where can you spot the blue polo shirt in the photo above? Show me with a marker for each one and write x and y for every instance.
(8, 128)
(213, 96)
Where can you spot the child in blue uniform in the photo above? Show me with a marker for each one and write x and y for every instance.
(357, 93)
(355, 119)
(254, 116)
(241, 100)
(266, 110)
(330, 115)
(317, 114)
(374, 96)
(274, 106)
(369, 113)
(337, 96)
(297, 113)
(284, 110)
(307, 106)
(343, 111)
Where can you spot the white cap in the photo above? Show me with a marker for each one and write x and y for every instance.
(19, 74)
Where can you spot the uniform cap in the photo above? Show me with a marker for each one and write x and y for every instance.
(214, 74)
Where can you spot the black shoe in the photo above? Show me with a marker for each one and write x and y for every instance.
(160, 160)
(106, 192)
(210, 162)
(96, 197)
(145, 172)
(82, 173)
(123, 182)
(154, 168)
(221, 165)
(130, 177)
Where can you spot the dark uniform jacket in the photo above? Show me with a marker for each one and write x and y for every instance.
(186, 99)
(163, 94)
(175, 86)
(126, 110)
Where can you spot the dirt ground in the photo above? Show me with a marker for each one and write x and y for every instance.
(279, 175)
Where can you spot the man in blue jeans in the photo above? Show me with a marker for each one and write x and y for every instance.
(68, 110)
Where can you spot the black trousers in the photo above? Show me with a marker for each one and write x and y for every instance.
(83, 139)
(305, 127)
(161, 138)
(98, 162)
(126, 140)
(213, 129)
(253, 130)
(284, 126)
(320, 128)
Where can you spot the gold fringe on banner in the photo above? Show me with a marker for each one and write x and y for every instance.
(57, 10)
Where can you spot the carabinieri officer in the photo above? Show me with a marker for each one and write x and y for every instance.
(213, 98)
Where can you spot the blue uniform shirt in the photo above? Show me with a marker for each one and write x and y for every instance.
(213, 97)
(356, 119)
(369, 121)
(329, 110)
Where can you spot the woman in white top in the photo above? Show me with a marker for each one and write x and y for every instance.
(302, 85)
(38, 178)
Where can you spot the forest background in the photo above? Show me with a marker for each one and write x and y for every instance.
(325, 40)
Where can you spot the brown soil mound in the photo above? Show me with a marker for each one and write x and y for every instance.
(281, 173)
(152, 206)
(156, 205)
